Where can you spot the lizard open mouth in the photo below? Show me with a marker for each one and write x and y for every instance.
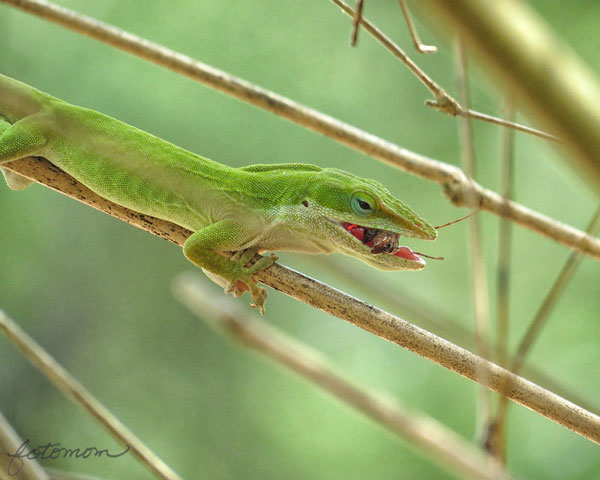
(381, 241)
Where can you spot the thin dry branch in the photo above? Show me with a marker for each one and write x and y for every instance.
(356, 22)
(79, 395)
(430, 437)
(530, 60)
(451, 178)
(511, 125)
(347, 308)
(444, 102)
(414, 35)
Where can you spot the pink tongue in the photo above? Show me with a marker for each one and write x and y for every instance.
(405, 252)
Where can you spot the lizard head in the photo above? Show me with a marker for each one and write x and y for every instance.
(364, 220)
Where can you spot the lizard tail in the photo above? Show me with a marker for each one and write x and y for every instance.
(18, 100)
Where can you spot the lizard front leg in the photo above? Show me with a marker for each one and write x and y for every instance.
(202, 248)
(18, 141)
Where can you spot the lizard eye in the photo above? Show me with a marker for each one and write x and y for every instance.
(362, 204)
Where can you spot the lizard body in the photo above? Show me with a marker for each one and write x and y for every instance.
(293, 207)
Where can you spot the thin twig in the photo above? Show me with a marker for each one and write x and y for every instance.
(478, 274)
(345, 307)
(356, 22)
(430, 437)
(419, 46)
(443, 101)
(79, 395)
(510, 124)
(529, 59)
(451, 178)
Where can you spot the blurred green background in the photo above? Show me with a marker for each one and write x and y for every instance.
(96, 292)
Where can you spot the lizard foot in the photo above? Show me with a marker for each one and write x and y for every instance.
(241, 280)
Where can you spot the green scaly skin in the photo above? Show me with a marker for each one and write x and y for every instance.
(293, 207)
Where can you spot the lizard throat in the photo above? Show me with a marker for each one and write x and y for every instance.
(381, 241)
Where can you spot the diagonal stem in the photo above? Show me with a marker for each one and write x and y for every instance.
(510, 124)
(414, 35)
(78, 394)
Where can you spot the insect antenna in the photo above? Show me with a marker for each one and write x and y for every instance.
(428, 256)
(459, 220)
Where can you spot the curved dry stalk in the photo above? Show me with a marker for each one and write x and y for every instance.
(451, 178)
(430, 437)
(414, 35)
(543, 72)
(345, 307)
(79, 395)
(444, 102)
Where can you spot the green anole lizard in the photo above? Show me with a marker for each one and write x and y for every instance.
(295, 207)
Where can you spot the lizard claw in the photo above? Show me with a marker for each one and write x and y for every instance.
(259, 298)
